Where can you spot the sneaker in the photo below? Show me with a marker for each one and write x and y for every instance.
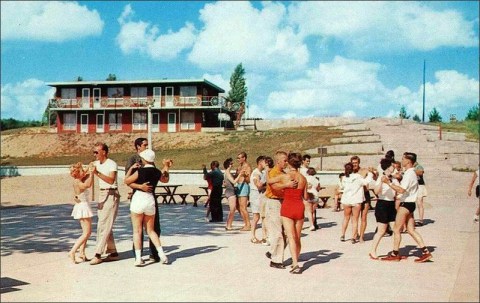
(391, 258)
(111, 258)
(95, 261)
(139, 262)
(164, 259)
(424, 258)
(312, 228)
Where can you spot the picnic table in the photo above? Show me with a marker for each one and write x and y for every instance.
(168, 192)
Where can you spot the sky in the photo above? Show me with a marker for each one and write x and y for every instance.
(301, 58)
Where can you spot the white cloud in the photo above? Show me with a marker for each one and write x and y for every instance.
(26, 100)
(237, 32)
(52, 21)
(379, 26)
(351, 87)
(144, 38)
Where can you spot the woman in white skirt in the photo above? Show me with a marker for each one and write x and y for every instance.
(82, 211)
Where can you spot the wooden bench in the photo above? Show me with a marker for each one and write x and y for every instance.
(196, 198)
(183, 196)
(163, 195)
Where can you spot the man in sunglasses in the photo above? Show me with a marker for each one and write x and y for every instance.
(108, 198)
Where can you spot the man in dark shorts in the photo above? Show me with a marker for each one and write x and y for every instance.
(408, 190)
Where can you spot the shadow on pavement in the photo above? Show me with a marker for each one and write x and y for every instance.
(8, 284)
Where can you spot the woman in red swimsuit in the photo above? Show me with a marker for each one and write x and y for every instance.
(293, 210)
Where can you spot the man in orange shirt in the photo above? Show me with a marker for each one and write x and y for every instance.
(273, 200)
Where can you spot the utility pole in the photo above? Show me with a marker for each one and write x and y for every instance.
(423, 113)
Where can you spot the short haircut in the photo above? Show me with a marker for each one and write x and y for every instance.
(410, 156)
(269, 161)
(214, 164)
(260, 158)
(306, 156)
(355, 158)
(103, 146)
(139, 141)
(243, 154)
(280, 153)
(385, 163)
(311, 171)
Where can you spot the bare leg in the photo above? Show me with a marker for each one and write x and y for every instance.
(232, 204)
(356, 215)
(363, 224)
(243, 201)
(347, 213)
(256, 218)
(289, 228)
(86, 224)
(382, 228)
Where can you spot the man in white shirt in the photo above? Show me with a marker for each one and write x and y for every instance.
(408, 190)
(108, 199)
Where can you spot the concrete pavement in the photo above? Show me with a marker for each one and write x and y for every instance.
(208, 263)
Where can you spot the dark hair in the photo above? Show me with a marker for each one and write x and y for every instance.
(214, 164)
(260, 158)
(348, 169)
(386, 163)
(138, 142)
(311, 171)
(391, 155)
(227, 162)
(410, 156)
(341, 175)
(269, 161)
(295, 159)
(306, 156)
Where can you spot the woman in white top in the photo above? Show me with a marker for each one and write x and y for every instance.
(475, 177)
(353, 196)
(385, 210)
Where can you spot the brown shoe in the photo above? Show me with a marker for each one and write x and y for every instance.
(424, 258)
(95, 261)
(391, 258)
(111, 258)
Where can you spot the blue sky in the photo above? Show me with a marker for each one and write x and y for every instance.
(302, 59)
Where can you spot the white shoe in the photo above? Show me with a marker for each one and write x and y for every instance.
(139, 262)
(163, 259)
(312, 228)
(206, 219)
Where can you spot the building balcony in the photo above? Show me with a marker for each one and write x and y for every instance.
(168, 102)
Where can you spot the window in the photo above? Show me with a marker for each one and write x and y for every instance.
(115, 92)
(139, 120)
(139, 92)
(69, 93)
(187, 120)
(188, 94)
(115, 121)
(69, 121)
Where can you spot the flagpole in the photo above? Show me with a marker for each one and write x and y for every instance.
(423, 114)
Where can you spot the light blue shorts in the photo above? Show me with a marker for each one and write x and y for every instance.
(243, 190)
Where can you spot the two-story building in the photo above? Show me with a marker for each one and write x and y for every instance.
(123, 106)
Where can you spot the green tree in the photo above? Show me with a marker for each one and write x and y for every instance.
(238, 89)
(434, 116)
(416, 118)
(79, 78)
(111, 77)
(473, 114)
(403, 113)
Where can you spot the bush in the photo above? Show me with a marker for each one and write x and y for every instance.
(473, 114)
(434, 116)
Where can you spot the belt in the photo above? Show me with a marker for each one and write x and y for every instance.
(112, 188)
(275, 198)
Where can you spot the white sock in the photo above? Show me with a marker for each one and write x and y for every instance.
(161, 253)
(138, 254)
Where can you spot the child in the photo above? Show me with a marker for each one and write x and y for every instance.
(313, 188)
(81, 211)
(338, 192)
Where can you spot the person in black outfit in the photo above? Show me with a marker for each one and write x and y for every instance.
(216, 176)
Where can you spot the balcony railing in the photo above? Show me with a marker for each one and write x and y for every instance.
(137, 102)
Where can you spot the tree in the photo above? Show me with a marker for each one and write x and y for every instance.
(238, 92)
(111, 77)
(79, 79)
(473, 114)
(403, 113)
(434, 116)
(416, 118)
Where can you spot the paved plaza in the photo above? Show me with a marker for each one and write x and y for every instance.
(208, 263)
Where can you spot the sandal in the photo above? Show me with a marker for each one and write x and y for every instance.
(255, 241)
(354, 241)
(342, 238)
(296, 270)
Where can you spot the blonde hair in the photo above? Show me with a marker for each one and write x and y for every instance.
(76, 168)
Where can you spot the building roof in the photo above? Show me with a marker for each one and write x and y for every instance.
(123, 82)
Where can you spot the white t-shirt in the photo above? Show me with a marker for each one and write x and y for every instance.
(353, 192)
(386, 192)
(256, 175)
(303, 170)
(410, 184)
(106, 168)
(314, 182)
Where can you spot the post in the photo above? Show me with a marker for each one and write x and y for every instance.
(423, 111)
(440, 132)
(322, 150)
(149, 126)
